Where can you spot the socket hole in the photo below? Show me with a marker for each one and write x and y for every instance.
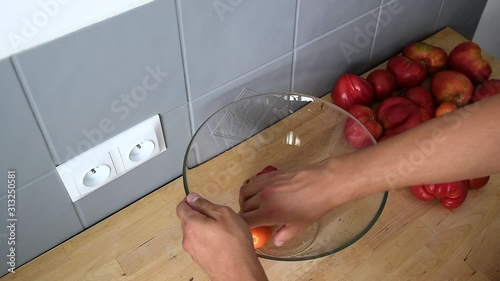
(96, 175)
(141, 151)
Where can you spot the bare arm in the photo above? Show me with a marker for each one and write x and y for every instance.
(459, 145)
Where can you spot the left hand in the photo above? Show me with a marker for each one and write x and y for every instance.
(218, 240)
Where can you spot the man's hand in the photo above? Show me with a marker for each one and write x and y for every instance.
(218, 240)
(294, 198)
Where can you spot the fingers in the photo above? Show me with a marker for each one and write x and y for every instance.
(203, 206)
(285, 233)
(250, 205)
(252, 218)
(248, 191)
(184, 210)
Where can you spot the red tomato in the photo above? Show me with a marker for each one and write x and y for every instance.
(444, 108)
(433, 58)
(467, 59)
(487, 89)
(260, 235)
(266, 170)
(451, 86)
(451, 194)
(408, 72)
(383, 83)
(354, 133)
(478, 183)
(351, 89)
(400, 113)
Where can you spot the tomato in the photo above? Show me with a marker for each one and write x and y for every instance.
(383, 83)
(467, 59)
(354, 133)
(261, 235)
(478, 183)
(423, 98)
(433, 58)
(451, 86)
(451, 194)
(266, 170)
(444, 108)
(351, 89)
(408, 72)
(400, 113)
(487, 89)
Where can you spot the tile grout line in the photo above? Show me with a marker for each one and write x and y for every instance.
(438, 16)
(34, 110)
(28, 183)
(294, 53)
(370, 59)
(182, 43)
(328, 33)
(244, 74)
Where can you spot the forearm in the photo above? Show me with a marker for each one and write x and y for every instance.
(461, 144)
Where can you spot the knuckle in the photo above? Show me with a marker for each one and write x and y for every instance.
(187, 227)
(225, 211)
(267, 193)
(186, 246)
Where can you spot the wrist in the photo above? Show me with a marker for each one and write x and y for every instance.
(347, 180)
(247, 269)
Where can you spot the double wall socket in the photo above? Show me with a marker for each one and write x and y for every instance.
(112, 158)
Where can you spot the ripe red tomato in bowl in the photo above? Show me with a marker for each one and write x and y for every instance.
(260, 235)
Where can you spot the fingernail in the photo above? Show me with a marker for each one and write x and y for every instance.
(192, 197)
(279, 243)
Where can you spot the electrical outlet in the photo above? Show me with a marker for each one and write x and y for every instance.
(140, 144)
(93, 173)
(107, 161)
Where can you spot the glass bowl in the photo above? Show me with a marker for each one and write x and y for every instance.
(283, 130)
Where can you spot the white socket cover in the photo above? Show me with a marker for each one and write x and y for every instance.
(138, 147)
(112, 158)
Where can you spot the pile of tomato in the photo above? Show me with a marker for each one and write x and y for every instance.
(421, 83)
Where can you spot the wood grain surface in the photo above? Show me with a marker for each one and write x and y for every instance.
(412, 240)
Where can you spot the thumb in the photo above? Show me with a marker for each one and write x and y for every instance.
(201, 204)
(285, 233)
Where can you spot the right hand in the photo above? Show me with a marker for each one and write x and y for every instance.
(211, 230)
(293, 198)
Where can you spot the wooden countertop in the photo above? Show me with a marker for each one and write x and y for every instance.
(412, 240)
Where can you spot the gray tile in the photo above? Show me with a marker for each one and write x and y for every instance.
(22, 145)
(402, 22)
(272, 77)
(225, 39)
(461, 15)
(122, 71)
(489, 22)
(236, 123)
(319, 64)
(45, 218)
(144, 178)
(320, 16)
